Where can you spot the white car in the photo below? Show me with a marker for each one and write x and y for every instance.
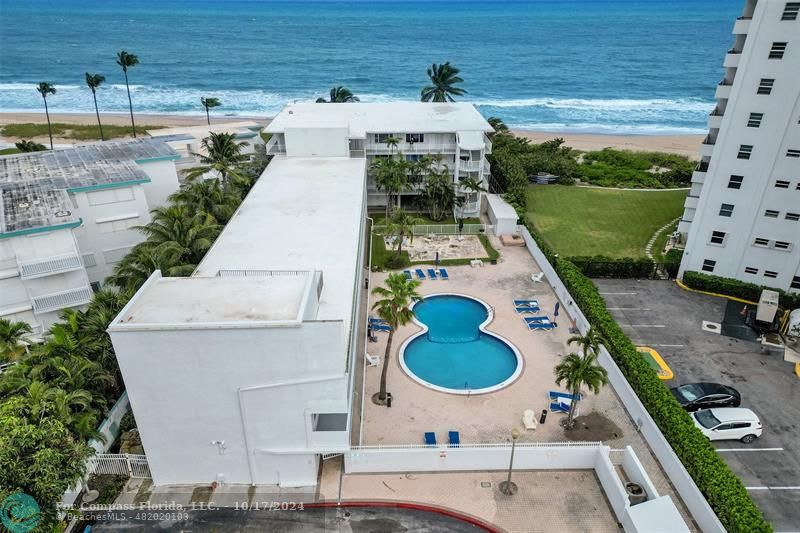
(728, 423)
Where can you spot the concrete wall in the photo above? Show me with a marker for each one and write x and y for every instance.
(612, 485)
(163, 181)
(317, 142)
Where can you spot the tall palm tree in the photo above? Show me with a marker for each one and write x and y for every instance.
(223, 159)
(12, 335)
(588, 343)
(127, 60)
(144, 259)
(208, 196)
(208, 103)
(178, 228)
(401, 226)
(44, 89)
(390, 176)
(438, 195)
(339, 95)
(443, 77)
(394, 307)
(93, 81)
(473, 185)
(391, 143)
(576, 371)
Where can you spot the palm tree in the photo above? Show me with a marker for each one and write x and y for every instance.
(126, 61)
(443, 79)
(177, 229)
(390, 175)
(208, 103)
(499, 126)
(394, 307)
(576, 371)
(12, 335)
(391, 143)
(44, 89)
(208, 196)
(222, 160)
(438, 195)
(143, 260)
(401, 226)
(589, 343)
(93, 81)
(339, 95)
(473, 185)
(29, 146)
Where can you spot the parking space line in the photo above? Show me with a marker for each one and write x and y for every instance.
(643, 325)
(749, 449)
(774, 488)
(628, 308)
(619, 293)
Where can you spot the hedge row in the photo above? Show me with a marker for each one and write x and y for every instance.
(736, 288)
(600, 266)
(722, 489)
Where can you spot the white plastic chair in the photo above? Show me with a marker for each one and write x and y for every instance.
(537, 278)
(373, 360)
(529, 419)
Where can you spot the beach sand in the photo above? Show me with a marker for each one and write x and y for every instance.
(687, 145)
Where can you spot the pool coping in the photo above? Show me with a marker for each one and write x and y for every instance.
(482, 328)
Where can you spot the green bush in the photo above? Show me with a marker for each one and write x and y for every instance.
(723, 490)
(600, 266)
(624, 168)
(736, 288)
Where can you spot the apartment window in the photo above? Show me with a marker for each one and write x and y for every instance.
(708, 265)
(735, 182)
(413, 158)
(110, 196)
(765, 86)
(782, 245)
(770, 274)
(798, 186)
(415, 138)
(782, 184)
(777, 50)
(771, 213)
(751, 270)
(89, 260)
(119, 224)
(382, 138)
(761, 242)
(792, 152)
(790, 11)
(726, 210)
(795, 283)
(793, 216)
(744, 151)
(755, 120)
(717, 237)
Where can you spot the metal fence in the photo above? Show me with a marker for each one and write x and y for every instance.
(119, 464)
(444, 229)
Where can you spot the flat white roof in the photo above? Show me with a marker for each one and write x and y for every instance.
(393, 117)
(500, 207)
(202, 131)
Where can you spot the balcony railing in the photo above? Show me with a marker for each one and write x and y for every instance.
(276, 146)
(61, 300)
(469, 166)
(411, 148)
(37, 268)
(702, 166)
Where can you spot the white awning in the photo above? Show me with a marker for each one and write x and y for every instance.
(470, 140)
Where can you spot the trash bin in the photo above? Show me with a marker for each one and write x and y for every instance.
(636, 493)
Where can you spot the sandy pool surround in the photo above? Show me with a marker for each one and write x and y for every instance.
(482, 327)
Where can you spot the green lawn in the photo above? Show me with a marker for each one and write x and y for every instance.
(8, 151)
(78, 132)
(580, 221)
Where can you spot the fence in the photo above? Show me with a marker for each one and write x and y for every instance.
(444, 229)
(694, 500)
(119, 464)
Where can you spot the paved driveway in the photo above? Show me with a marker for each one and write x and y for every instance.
(661, 315)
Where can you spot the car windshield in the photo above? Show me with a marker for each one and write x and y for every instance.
(707, 419)
(690, 392)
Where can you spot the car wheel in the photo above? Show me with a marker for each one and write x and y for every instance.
(747, 439)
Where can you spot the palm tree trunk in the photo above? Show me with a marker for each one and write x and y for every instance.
(385, 369)
(573, 406)
(388, 204)
(97, 112)
(49, 128)
(208, 117)
(130, 103)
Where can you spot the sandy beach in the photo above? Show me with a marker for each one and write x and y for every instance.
(680, 144)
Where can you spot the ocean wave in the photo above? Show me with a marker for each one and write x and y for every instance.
(687, 104)
(608, 129)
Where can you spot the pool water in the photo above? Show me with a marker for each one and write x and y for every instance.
(454, 353)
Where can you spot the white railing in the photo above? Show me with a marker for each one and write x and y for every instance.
(119, 464)
(469, 166)
(412, 148)
(36, 268)
(486, 167)
(487, 144)
(62, 300)
(275, 146)
(469, 207)
(443, 229)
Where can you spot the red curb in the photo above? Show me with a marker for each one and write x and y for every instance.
(417, 507)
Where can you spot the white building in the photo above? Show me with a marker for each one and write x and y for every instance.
(66, 219)
(742, 216)
(457, 132)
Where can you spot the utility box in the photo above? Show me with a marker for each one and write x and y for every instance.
(767, 306)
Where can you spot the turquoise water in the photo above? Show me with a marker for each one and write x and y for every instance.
(454, 353)
(613, 66)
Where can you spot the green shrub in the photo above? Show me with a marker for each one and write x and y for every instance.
(723, 490)
(736, 288)
(600, 266)
(624, 168)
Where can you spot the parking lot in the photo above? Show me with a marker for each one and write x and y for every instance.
(661, 315)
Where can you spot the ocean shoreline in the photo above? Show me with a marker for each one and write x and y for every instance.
(683, 144)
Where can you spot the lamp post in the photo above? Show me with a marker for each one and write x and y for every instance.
(508, 487)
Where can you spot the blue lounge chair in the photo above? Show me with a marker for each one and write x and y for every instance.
(454, 438)
(526, 303)
(560, 401)
(527, 309)
(407, 274)
(420, 273)
(531, 319)
(381, 327)
(443, 274)
(431, 273)
(542, 324)
(430, 438)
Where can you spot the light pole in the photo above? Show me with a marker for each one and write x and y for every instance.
(508, 487)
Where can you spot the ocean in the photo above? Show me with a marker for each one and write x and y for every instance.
(586, 66)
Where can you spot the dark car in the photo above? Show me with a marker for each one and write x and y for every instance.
(694, 396)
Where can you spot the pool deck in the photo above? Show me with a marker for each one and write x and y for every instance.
(490, 417)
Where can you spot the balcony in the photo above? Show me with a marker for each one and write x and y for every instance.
(742, 25)
(487, 145)
(61, 300)
(707, 148)
(411, 148)
(276, 145)
(691, 202)
(723, 90)
(714, 120)
(486, 168)
(732, 58)
(36, 268)
(469, 166)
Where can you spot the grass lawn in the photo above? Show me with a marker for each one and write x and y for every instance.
(8, 151)
(581, 221)
(78, 132)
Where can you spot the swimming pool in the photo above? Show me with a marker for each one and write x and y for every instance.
(454, 353)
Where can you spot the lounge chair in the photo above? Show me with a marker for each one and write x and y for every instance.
(531, 319)
(443, 274)
(430, 438)
(541, 324)
(454, 438)
(381, 327)
(420, 273)
(375, 320)
(560, 401)
(537, 278)
(529, 419)
(407, 274)
(372, 360)
(431, 273)
(528, 309)
(524, 303)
